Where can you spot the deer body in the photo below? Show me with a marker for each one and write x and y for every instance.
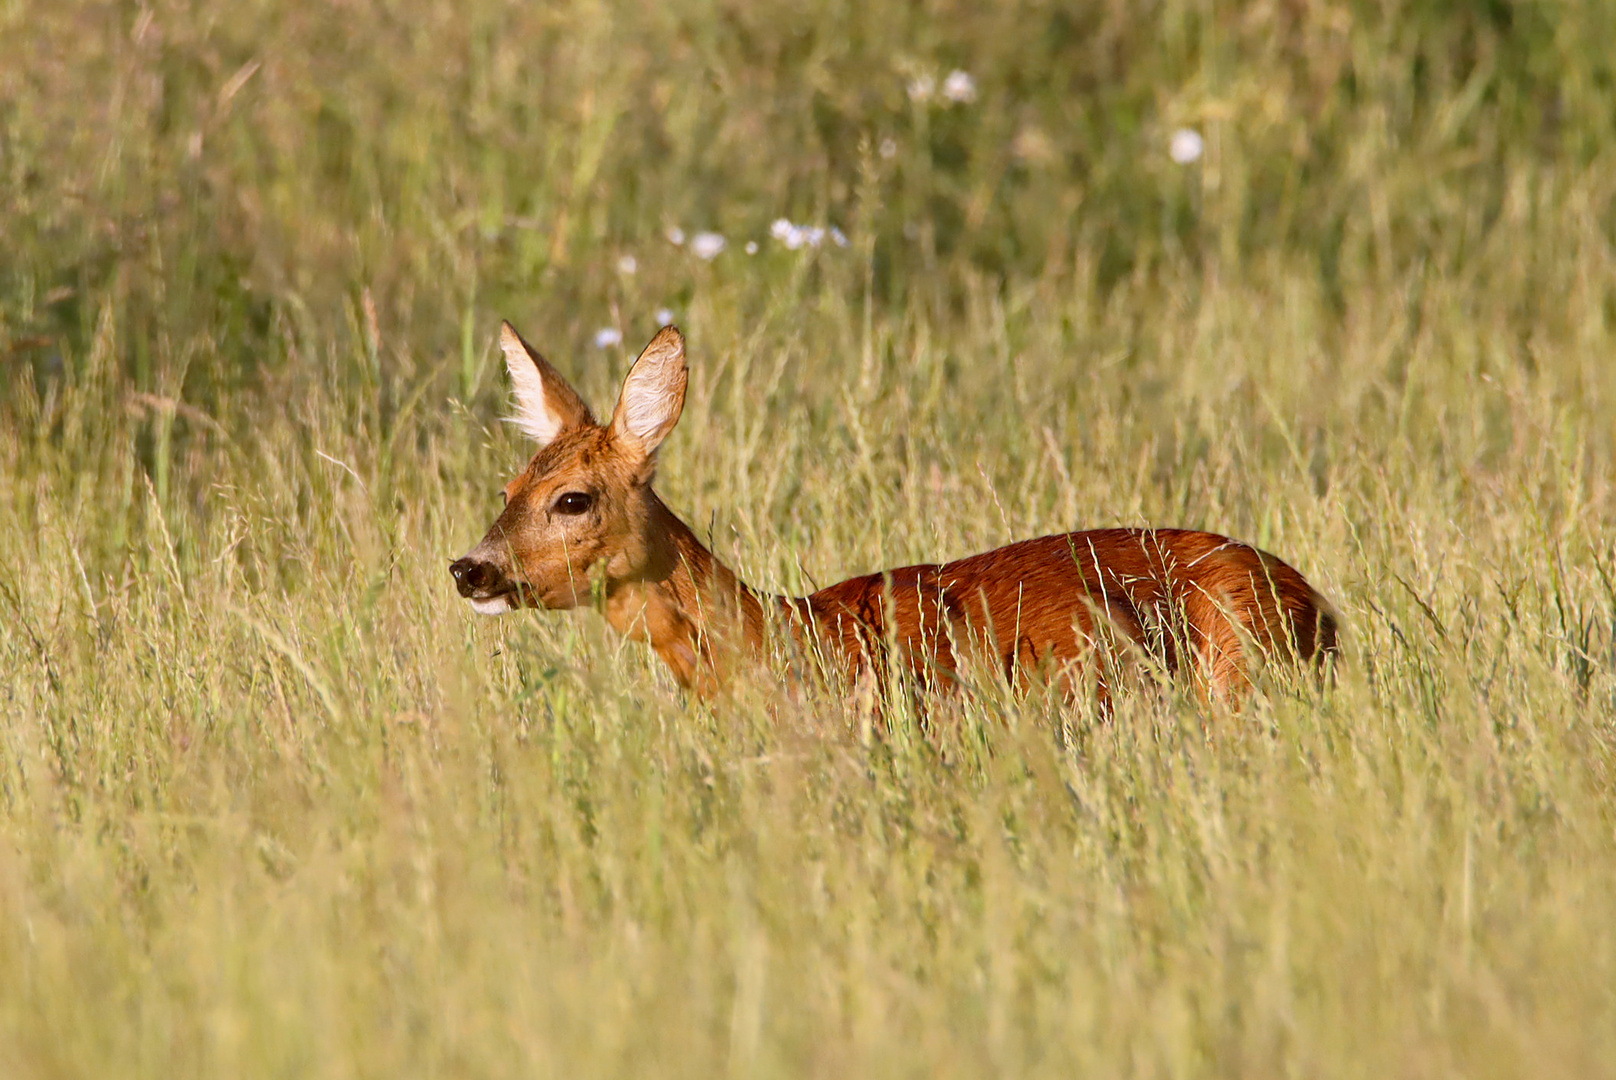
(1075, 606)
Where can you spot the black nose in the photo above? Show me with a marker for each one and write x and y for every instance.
(472, 576)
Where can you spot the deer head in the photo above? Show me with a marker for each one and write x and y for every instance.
(582, 508)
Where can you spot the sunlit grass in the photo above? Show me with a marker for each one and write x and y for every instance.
(272, 802)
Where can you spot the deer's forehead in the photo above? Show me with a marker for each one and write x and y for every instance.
(574, 456)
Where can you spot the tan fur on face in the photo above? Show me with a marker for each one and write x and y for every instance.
(552, 555)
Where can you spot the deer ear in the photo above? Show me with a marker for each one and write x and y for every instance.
(653, 394)
(545, 405)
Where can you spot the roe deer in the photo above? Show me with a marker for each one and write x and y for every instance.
(583, 511)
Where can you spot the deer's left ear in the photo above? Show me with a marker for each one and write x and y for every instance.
(653, 394)
(545, 405)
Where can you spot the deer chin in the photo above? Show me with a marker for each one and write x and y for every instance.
(493, 605)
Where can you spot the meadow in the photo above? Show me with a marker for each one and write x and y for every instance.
(1336, 278)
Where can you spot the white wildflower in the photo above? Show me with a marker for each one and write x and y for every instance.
(959, 87)
(664, 316)
(1185, 146)
(675, 235)
(607, 337)
(797, 237)
(751, 247)
(706, 245)
(921, 88)
(792, 236)
(628, 264)
(888, 148)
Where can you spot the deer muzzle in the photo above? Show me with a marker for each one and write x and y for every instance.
(486, 585)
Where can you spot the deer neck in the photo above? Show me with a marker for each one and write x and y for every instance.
(692, 609)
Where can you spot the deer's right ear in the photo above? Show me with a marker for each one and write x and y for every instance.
(545, 405)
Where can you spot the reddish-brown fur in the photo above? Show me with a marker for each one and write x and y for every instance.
(1075, 607)
(1060, 603)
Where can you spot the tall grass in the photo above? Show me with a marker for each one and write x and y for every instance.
(273, 803)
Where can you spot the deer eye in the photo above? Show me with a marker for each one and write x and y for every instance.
(574, 502)
(504, 498)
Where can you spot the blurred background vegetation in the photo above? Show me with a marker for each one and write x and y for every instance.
(273, 804)
(239, 174)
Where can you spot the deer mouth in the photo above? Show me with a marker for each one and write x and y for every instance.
(510, 598)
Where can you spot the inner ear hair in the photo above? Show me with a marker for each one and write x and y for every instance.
(653, 394)
(546, 405)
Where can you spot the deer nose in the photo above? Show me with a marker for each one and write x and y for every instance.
(473, 576)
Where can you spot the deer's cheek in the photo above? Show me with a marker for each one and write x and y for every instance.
(565, 596)
(563, 580)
